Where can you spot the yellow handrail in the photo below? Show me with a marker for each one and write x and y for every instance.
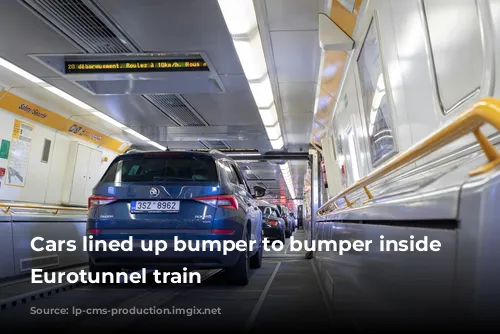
(485, 111)
(56, 208)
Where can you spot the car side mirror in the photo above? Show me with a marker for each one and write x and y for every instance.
(259, 191)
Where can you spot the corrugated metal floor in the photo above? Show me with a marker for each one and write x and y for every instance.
(283, 295)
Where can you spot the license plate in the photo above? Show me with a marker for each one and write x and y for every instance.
(154, 206)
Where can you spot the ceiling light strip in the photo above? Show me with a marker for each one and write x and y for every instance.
(287, 176)
(19, 71)
(241, 22)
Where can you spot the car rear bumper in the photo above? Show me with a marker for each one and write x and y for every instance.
(138, 258)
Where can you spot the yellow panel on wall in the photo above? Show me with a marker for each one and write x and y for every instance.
(27, 109)
(345, 19)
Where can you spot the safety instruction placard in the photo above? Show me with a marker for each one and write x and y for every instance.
(20, 148)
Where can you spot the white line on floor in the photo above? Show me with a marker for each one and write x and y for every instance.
(262, 297)
(287, 246)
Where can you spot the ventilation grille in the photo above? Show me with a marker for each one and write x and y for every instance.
(94, 32)
(174, 108)
(75, 20)
(39, 262)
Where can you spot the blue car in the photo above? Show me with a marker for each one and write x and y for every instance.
(184, 195)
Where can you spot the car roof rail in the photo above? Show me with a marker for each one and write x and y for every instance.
(213, 151)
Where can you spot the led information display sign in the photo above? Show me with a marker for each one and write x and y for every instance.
(177, 65)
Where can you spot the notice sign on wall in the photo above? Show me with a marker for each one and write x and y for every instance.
(20, 147)
(4, 149)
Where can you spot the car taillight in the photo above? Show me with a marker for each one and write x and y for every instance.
(227, 202)
(272, 222)
(220, 201)
(94, 231)
(96, 200)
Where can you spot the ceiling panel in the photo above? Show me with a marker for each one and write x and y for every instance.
(226, 108)
(168, 26)
(297, 97)
(293, 14)
(296, 55)
(293, 31)
(296, 123)
(131, 110)
(10, 79)
(299, 139)
(235, 83)
(298, 128)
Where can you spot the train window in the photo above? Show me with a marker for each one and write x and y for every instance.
(375, 102)
(454, 36)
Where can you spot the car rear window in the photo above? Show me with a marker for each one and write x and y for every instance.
(267, 210)
(154, 169)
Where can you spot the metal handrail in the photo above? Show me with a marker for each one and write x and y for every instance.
(56, 208)
(486, 111)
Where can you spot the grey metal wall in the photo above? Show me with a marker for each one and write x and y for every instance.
(439, 201)
(18, 228)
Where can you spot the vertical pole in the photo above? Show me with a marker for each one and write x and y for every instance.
(315, 196)
(320, 182)
(300, 216)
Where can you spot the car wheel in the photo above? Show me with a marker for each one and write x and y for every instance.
(256, 259)
(239, 274)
